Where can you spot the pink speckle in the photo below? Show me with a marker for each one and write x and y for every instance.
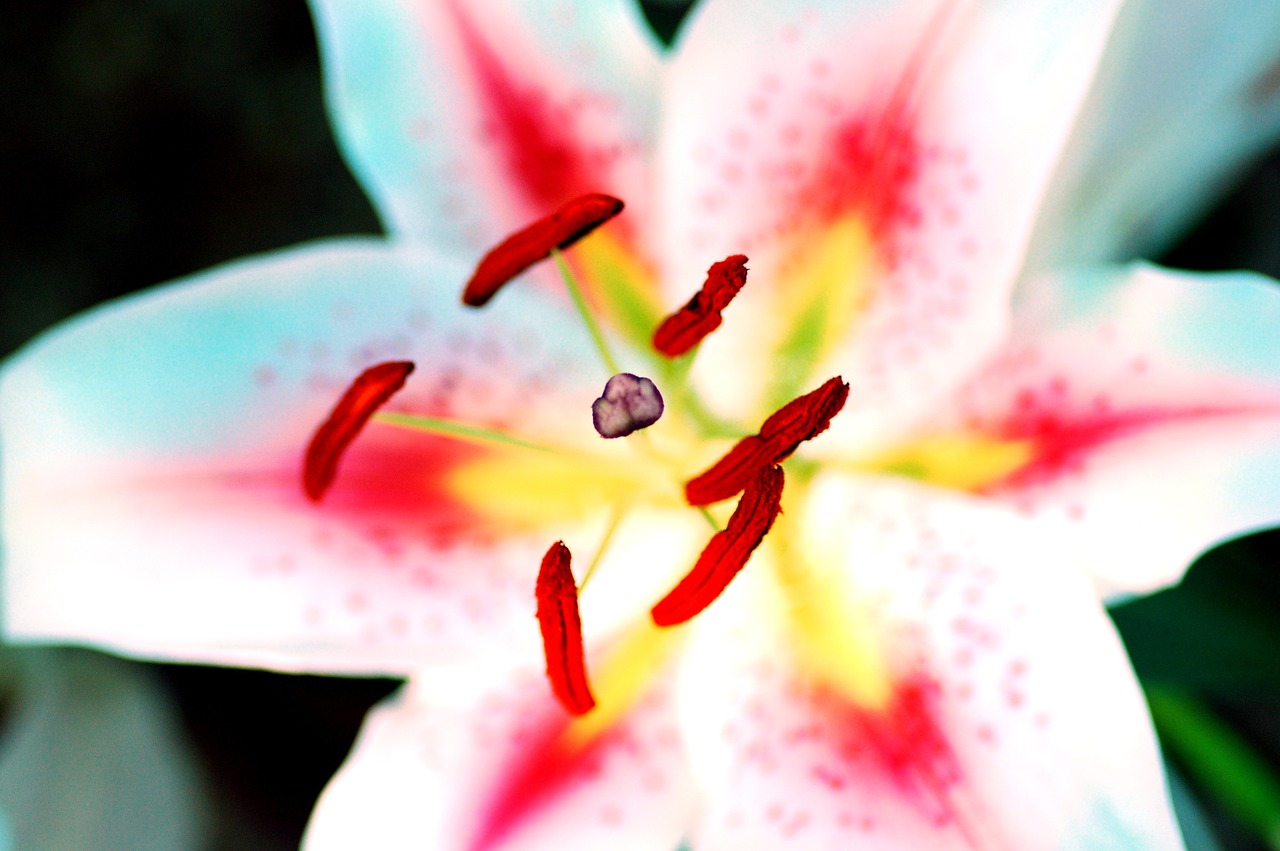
(828, 778)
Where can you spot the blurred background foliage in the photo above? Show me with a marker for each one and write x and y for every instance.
(142, 140)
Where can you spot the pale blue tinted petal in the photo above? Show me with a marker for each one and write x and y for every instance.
(94, 759)
(1187, 93)
(465, 119)
(152, 462)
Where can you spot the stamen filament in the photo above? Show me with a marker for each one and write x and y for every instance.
(458, 430)
(711, 521)
(615, 520)
(584, 310)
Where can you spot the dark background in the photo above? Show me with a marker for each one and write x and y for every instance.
(141, 140)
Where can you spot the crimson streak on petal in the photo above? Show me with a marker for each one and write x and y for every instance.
(727, 552)
(370, 391)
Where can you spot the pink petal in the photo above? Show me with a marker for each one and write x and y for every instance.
(934, 126)
(1151, 402)
(479, 771)
(1011, 720)
(152, 467)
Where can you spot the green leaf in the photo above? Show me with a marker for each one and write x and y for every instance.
(1219, 763)
(1216, 632)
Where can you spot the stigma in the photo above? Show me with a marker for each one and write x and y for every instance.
(628, 404)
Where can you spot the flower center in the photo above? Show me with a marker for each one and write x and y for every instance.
(527, 485)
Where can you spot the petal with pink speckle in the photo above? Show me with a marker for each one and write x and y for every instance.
(1011, 718)
(882, 167)
(1151, 401)
(489, 770)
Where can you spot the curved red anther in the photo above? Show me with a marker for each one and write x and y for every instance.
(370, 391)
(727, 552)
(562, 631)
(575, 219)
(689, 325)
(799, 420)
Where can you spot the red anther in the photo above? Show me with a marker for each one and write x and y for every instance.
(574, 220)
(689, 325)
(799, 420)
(562, 631)
(367, 393)
(727, 552)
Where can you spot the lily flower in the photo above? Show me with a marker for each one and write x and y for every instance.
(904, 644)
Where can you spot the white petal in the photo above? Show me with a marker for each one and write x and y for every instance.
(1187, 93)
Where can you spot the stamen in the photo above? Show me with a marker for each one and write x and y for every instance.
(799, 420)
(574, 220)
(562, 631)
(370, 391)
(629, 404)
(689, 325)
(727, 552)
